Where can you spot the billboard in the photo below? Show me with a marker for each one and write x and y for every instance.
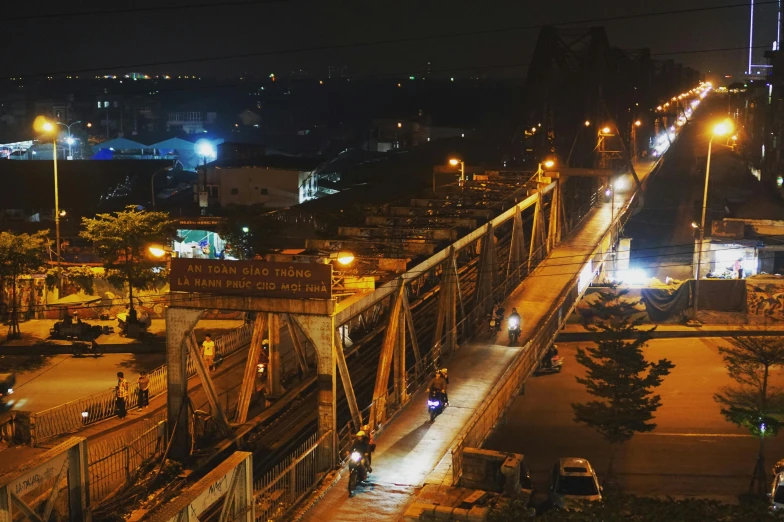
(252, 278)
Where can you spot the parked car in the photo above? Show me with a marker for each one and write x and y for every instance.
(573, 481)
(776, 494)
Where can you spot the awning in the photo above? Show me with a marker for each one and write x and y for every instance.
(75, 299)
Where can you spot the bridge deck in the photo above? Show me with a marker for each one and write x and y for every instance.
(411, 451)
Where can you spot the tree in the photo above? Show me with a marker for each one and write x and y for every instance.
(755, 404)
(20, 254)
(122, 240)
(618, 375)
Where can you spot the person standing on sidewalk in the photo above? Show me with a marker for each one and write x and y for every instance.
(122, 395)
(208, 351)
(144, 392)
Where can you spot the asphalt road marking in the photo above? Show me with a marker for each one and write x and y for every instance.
(727, 435)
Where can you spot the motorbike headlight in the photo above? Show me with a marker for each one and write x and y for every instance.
(356, 456)
(513, 324)
(433, 403)
(10, 391)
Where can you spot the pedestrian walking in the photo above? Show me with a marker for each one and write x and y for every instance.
(144, 390)
(122, 395)
(208, 351)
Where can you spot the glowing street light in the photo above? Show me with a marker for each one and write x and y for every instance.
(345, 258)
(606, 130)
(48, 126)
(455, 162)
(637, 123)
(157, 251)
(587, 123)
(720, 129)
(548, 163)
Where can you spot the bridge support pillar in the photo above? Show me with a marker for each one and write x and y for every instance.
(275, 365)
(387, 358)
(487, 273)
(516, 252)
(179, 324)
(320, 330)
(449, 297)
(251, 368)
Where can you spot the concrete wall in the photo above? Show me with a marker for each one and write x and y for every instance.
(258, 185)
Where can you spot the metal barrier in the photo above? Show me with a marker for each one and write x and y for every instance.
(75, 415)
(476, 431)
(288, 482)
(113, 465)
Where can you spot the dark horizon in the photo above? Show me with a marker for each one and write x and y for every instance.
(186, 39)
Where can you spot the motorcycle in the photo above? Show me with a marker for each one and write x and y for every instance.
(357, 471)
(495, 323)
(82, 349)
(514, 329)
(552, 365)
(608, 192)
(261, 371)
(7, 382)
(435, 404)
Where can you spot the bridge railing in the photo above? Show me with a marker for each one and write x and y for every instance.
(77, 414)
(288, 482)
(114, 465)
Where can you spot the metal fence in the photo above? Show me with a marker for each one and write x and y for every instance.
(75, 415)
(113, 463)
(289, 481)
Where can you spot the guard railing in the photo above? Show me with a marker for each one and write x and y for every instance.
(77, 414)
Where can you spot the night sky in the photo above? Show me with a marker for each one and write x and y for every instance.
(62, 44)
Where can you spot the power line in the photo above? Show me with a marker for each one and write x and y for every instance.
(368, 43)
(101, 12)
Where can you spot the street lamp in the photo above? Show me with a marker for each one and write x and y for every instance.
(721, 129)
(70, 140)
(587, 123)
(48, 127)
(345, 258)
(546, 164)
(455, 162)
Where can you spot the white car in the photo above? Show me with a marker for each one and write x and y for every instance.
(573, 482)
(777, 493)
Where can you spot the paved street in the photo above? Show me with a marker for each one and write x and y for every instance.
(45, 382)
(693, 451)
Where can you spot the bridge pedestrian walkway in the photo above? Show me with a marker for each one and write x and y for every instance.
(410, 450)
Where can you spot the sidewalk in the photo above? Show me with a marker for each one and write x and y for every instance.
(227, 378)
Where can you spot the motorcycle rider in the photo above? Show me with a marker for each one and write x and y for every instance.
(371, 446)
(440, 384)
(515, 316)
(362, 446)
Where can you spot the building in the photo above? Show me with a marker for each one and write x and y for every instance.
(189, 121)
(270, 181)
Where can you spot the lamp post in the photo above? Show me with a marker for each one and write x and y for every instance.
(720, 129)
(636, 124)
(48, 127)
(546, 164)
(69, 140)
(455, 162)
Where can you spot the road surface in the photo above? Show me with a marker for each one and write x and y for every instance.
(692, 452)
(45, 382)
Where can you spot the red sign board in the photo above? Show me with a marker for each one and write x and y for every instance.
(252, 278)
